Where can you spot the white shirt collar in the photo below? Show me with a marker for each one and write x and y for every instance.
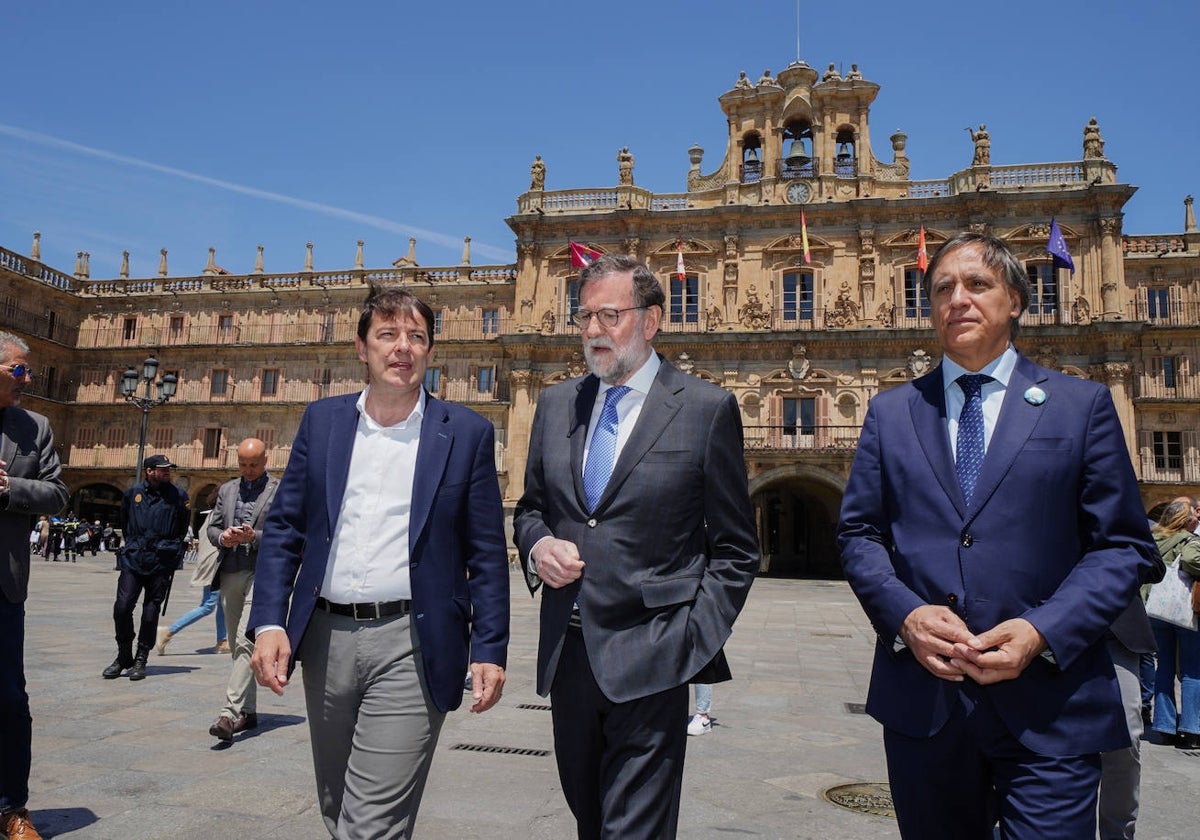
(1000, 368)
(414, 416)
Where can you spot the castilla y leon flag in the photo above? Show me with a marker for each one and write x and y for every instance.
(581, 255)
(1057, 248)
(679, 269)
(922, 254)
(804, 237)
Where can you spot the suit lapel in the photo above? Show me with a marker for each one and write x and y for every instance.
(339, 445)
(1015, 424)
(661, 405)
(264, 502)
(928, 409)
(577, 429)
(432, 455)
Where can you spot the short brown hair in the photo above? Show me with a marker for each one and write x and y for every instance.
(389, 301)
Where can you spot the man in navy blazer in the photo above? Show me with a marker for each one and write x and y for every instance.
(384, 557)
(646, 568)
(991, 580)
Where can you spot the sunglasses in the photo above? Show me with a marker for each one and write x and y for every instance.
(18, 371)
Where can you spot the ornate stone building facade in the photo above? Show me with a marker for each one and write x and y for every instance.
(803, 321)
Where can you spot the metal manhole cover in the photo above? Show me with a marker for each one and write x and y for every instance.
(864, 797)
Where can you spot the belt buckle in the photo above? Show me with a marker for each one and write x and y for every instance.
(355, 615)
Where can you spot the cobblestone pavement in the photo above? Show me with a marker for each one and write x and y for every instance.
(134, 760)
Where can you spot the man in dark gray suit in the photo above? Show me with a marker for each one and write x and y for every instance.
(235, 528)
(637, 517)
(29, 485)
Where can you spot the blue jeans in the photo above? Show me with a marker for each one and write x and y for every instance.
(210, 601)
(1178, 653)
(703, 698)
(1146, 674)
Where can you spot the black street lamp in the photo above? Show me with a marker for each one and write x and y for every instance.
(129, 386)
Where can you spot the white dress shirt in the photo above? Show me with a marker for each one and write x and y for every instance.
(628, 409)
(992, 393)
(368, 555)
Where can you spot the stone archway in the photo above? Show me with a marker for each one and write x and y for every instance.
(797, 511)
(97, 502)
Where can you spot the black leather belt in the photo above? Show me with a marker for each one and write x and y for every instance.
(368, 611)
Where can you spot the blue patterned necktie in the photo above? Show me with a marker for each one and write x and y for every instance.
(969, 453)
(603, 450)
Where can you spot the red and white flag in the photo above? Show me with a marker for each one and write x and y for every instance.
(679, 269)
(922, 254)
(581, 255)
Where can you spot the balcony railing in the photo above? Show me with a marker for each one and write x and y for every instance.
(1154, 244)
(1171, 314)
(341, 331)
(800, 437)
(1154, 387)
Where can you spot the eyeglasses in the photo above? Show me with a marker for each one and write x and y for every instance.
(606, 317)
(18, 371)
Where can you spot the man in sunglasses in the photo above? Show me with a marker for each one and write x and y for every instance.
(29, 485)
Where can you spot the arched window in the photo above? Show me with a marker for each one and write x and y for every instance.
(797, 158)
(751, 158)
(845, 163)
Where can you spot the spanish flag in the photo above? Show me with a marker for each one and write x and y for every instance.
(804, 237)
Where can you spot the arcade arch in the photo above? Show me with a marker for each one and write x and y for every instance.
(796, 507)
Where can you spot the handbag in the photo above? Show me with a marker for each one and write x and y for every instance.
(1196, 596)
(1170, 599)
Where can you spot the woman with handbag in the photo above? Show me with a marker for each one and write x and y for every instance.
(1178, 646)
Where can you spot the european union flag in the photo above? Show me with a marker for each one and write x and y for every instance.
(1057, 246)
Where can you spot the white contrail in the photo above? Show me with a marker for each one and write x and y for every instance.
(490, 251)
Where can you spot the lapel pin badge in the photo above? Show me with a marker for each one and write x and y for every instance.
(1035, 396)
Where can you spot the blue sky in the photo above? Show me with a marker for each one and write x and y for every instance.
(185, 125)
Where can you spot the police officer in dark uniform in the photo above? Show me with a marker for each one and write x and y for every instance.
(154, 518)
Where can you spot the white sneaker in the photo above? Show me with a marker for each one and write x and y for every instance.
(699, 725)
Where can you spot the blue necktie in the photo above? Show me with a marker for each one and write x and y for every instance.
(969, 456)
(603, 450)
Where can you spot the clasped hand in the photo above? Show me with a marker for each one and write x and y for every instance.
(942, 643)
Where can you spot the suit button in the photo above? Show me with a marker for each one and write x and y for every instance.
(952, 599)
(591, 523)
(967, 539)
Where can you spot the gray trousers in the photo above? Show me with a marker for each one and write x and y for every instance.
(1121, 770)
(372, 724)
(237, 594)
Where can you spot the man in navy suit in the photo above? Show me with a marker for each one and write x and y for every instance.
(386, 537)
(992, 530)
(647, 559)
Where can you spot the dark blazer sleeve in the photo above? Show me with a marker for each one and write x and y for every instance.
(285, 533)
(729, 522)
(529, 522)
(1117, 549)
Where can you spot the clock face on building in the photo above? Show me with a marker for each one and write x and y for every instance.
(799, 192)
